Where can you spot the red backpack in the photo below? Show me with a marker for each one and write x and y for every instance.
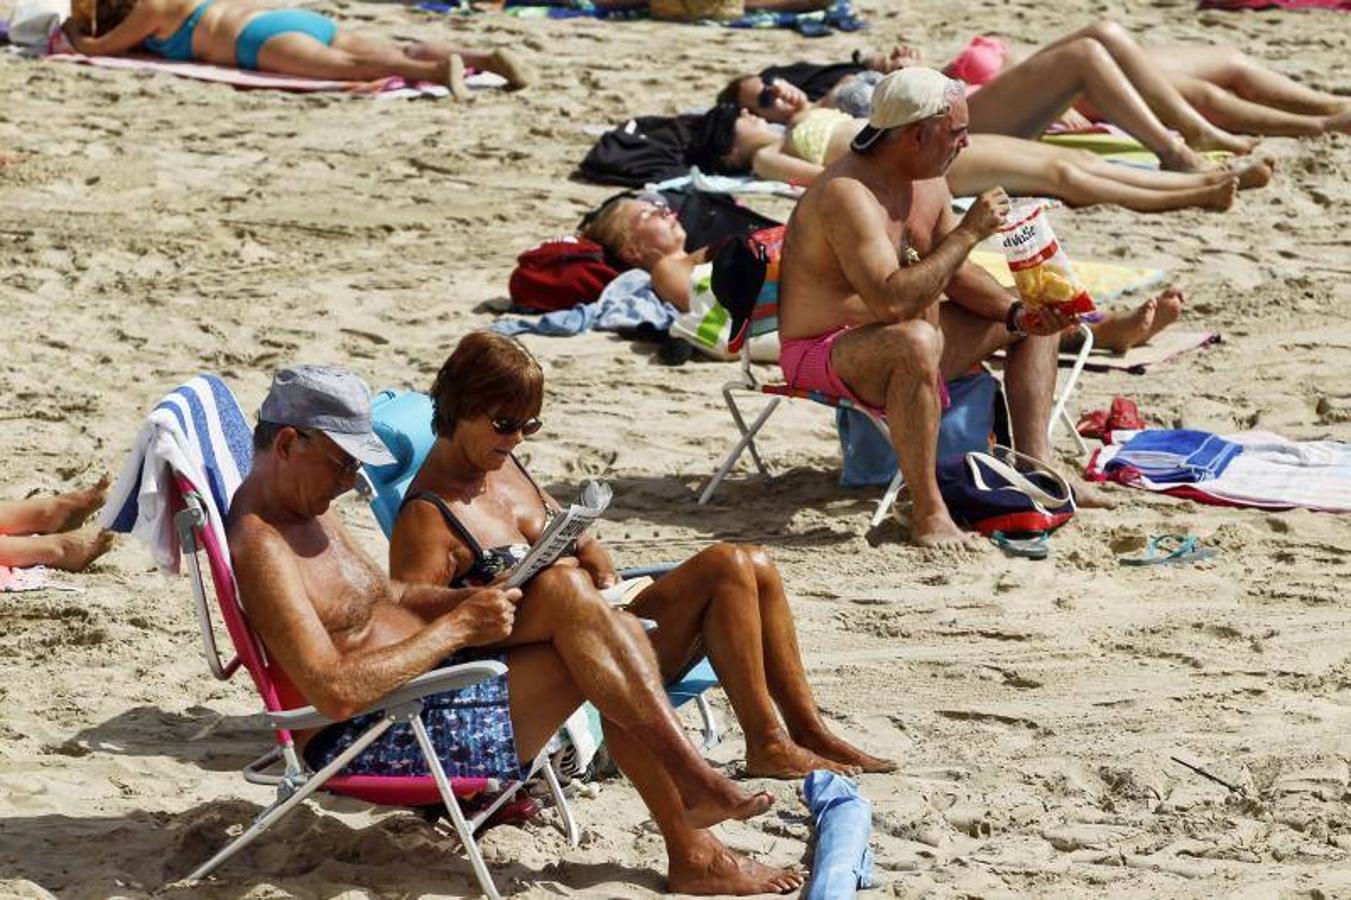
(560, 274)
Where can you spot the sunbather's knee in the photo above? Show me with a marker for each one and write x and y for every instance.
(570, 588)
(1090, 53)
(1109, 32)
(916, 342)
(729, 562)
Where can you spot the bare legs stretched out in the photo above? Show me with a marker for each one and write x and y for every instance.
(41, 531)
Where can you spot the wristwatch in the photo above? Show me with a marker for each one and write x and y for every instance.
(1011, 320)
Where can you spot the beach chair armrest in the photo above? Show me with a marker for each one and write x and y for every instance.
(434, 682)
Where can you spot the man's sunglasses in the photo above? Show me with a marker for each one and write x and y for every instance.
(348, 464)
(765, 99)
(526, 427)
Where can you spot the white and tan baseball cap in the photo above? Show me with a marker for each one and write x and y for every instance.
(905, 96)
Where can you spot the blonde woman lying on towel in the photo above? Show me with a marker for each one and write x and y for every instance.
(647, 235)
(299, 42)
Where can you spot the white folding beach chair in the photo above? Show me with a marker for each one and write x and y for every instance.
(764, 320)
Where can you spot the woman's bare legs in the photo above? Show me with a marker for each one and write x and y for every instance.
(1230, 69)
(350, 58)
(543, 694)
(1032, 168)
(506, 63)
(1028, 97)
(611, 661)
(1157, 90)
(40, 531)
(1121, 331)
(1233, 113)
(729, 601)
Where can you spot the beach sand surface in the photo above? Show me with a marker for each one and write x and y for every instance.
(155, 228)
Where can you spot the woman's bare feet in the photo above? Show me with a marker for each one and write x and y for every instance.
(841, 751)
(54, 514)
(512, 67)
(459, 89)
(79, 548)
(70, 550)
(707, 867)
(783, 759)
(79, 505)
(1182, 158)
(726, 801)
(1338, 122)
(1119, 333)
(1218, 139)
(1253, 171)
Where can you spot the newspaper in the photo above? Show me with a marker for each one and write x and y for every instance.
(566, 527)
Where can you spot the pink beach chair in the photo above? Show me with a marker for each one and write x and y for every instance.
(285, 711)
(174, 491)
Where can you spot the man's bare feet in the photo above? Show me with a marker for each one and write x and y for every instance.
(1253, 171)
(784, 759)
(1090, 496)
(709, 867)
(1119, 333)
(841, 751)
(455, 78)
(726, 801)
(513, 68)
(937, 530)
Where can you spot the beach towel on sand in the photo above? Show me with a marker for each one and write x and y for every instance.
(34, 578)
(197, 429)
(1272, 472)
(1111, 143)
(392, 88)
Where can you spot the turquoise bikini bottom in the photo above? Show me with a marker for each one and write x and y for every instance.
(280, 21)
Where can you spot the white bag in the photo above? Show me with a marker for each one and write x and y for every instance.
(33, 22)
(708, 325)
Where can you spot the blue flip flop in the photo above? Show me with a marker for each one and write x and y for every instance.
(1033, 546)
(1169, 549)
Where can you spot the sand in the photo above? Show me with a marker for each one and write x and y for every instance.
(157, 228)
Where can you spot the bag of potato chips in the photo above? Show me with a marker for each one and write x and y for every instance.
(1041, 270)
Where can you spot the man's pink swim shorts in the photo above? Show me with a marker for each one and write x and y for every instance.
(806, 366)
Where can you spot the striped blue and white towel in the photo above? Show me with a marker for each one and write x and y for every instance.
(198, 431)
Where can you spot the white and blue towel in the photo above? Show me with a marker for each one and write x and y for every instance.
(199, 432)
(1176, 456)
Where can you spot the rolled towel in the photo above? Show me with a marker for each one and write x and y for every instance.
(843, 860)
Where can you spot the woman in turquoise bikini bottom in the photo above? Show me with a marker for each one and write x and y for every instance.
(286, 41)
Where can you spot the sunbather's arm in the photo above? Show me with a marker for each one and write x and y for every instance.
(595, 559)
(856, 227)
(976, 291)
(774, 163)
(145, 18)
(671, 280)
(340, 684)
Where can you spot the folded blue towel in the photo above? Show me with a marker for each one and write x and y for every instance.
(1176, 456)
(843, 860)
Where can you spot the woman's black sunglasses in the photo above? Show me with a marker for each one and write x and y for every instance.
(526, 427)
(766, 97)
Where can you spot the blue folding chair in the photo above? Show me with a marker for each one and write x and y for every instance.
(403, 419)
